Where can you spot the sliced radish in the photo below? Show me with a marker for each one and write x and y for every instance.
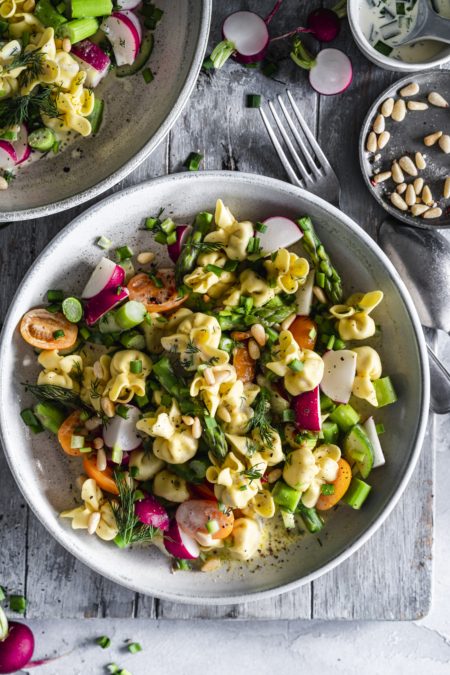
(333, 72)
(304, 295)
(122, 432)
(179, 544)
(151, 512)
(123, 36)
(106, 274)
(8, 157)
(339, 374)
(92, 60)
(371, 431)
(248, 33)
(128, 4)
(174, 250)
(281, 232)
(307, 410)
(103, 302)
(21, 146)
(135, 21)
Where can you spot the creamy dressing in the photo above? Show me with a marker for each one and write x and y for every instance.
(386, 23)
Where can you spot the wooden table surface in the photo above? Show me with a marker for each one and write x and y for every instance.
(390, 577)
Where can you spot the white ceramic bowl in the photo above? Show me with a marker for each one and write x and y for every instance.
(65, 263)
(387, 62)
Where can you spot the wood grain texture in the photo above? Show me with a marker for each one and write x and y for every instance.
(390, 577)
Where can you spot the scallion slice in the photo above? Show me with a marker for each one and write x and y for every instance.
(77, 442)
(212, 526)
(215, 269)
(104, 243)
(123, 253)
(58, 334)
(288, 416)
(17, 603)
(296, 365)
(261, 227)
(193, 161)
(122, 410)
(136, 367)
(327, 489)
(253, 100)
(148, 76)
(55, 296)
(134, 647)
(31, 421)
(117, 455)
(72, 309)
(103, 641)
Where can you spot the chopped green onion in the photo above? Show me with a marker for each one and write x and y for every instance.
(151, 223)
(103, 641)
(134, 647)
(285, 496)
(383, 48)
(193, 161)
(320, 279)
(380, 429)
(330, 432)
(212, 526)
(122, 411)
(55, 296)
(31, 421)
(72, 309)
(288, 415)
(339, 344)
(53, 308)
(131, 314)
(148, 76)
(113, 668)
(117, 455)
(207, 64)
(313, 522)
(55, 147)
(168, 225)
(253, 100)
(17, 603)
(330, 343)
(152, 15)
(104, 243)
(272, 335)
(77, 442)
(161, 238)
(253, 64)
(215, 269)
(2, 594)
(230, 265)
(58, 334)
(85, 333)
(357, 493)
(261, 227)
(345, 416)
(182, 564)
(296, 365)
(49, 415)
(327, 489)
(123, 253)
(385, 392)
(134, 472)
(269, 69)
(96, 116)
(136, 367)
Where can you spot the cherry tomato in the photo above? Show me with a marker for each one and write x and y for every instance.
(341, 484)
(157, 296)
(193, 515)
(244, 364)
(104, 479)
(202, 491)
(38, 327)
(304, 331)
(70, 427)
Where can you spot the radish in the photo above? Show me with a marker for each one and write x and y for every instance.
(324, 24)
(8, 157)
(329, 73)
(307, 410)
(151, 512)
(370, 428)
(16, 645)
(123, 36)
(179, 544)
(339, 374)
(128, 4)
(121, 432)
(304, 295)
(21, 146)
(135, 21)
(174, 250)
(92, 60)
(281, 232)
(106, 275)
(101, 303)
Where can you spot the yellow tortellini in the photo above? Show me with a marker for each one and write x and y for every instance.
(271, 452)
(96, 511)
(232, 486)
(326, 458)
(60, 371)
(223, 377)
(287, 270)
(203, 280)
(174, 442)
(233, 236)
(296, 381)
(145, 464)
(300, 469)
(250, 285)
(354, 320)
(170, 487)
(123, 384)
(262, 505)
(368, 368)
(246, 538)
(94, 381)
(197, 342)
(154, 331)
(235, 406)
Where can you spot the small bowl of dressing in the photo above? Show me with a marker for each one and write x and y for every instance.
(379, 26)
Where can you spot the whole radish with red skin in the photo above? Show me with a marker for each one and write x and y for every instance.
(16, 645)
(330, 72)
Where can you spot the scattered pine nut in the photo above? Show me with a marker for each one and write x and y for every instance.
(446, 192)
(427, 197)
(387, 107)
(408, 165)
(93, 522)
(418, 185)
(379, 125)
(420, 161)
(410, 89)
(196, 428)
(98, 370)
(187, 420)
(444, 143)
(383, 139)
(371, 143)
(432, 213)
(397, 173)
(419, 209)
(80, 480)
(274, 475)
(258, 332)
(401, 188)
(208, 374)
(398, 202)
(287, 323)
(66, 45)
(145, 257)
(98, 443)
(254, 350)
(432, 138)
(101, 459)
(410, 195)
(211, 565)
(4, 183)
(381, 177)
(437, 100)
(417, 105)
(107, 406)
(320, 295)
(377, 157)
(399, 111)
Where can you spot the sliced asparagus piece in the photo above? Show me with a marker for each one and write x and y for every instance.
(325, 271)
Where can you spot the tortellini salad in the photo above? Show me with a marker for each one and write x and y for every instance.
(212, 402)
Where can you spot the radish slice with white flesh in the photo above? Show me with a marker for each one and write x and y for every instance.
(121, 432)
(123, 36)
(8, 157)
(179, 544)
(246, 37)
(174, 250)
(150, 512)
(21, 146)
(135, 21)
(307, 411)
(304, 295)
(370, 428)
(92, 60)
(128, 4)
(107, 274)
(339, 374)
(103, 302)
(281, 232)
(332, 72)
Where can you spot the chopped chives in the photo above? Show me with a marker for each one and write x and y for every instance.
(383, 48)
(104, 243)
(161, 238)
(53, 308)
(312, 333)
(253, 100)
(123, 253)
(193, 161)
(58, 334)
(261, 227)
(72, 309)
(215, 269)
(134, 471)
(113, 668)
(327, 489)
(296, 365)
(136, 366)
(55, 296)
(117, 455)
(212, 526)
(168, 225)
(150, 223)
(148, 75)
(182, 564)
(253, 64)
(31, 421)
(134, 647)
(330, 343)
(85, 450)
(171, 238)
(156, 280)
(77, 442)
(339, 344)
(230, 265)
(17, 603)
(380, 429)
(103, 641)
(207, 64)
(121, 409)
(85, 333)
(288, 416)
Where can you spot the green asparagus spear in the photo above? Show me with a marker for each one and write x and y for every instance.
(326, 274)
(192, 246)
(214, 437)
(165, 375)
(310, 517)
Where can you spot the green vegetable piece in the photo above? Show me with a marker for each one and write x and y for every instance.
(42, 139)
(48, 15)
(383, 48)
(313, 522)
(136, 366)
(134, 647)
(345, 417)
(104, 243)
(72, 309)
(58, 334)
(80, 9)
(123, 253)
(122, 411)
(331, 280)
(326, 404)
(131, 314)
(253, 100)
(50, 416)
(358, 448)
(296, 365)
(330, 431)
(285, 496)
(140, 61)
(103, 641)
(148, 76)
(132, 340)
(78, 29)
(327, 489)
(193, 161)
(357, 493)
(55, 296)
(96, 117)
(17, 603)
(31, 420)
(288, 415)
(385, 392)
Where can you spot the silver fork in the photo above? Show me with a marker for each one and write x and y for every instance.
(314, 172)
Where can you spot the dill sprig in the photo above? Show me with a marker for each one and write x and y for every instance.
(15, 111)
(253, 473)
(60, 395)
(131, 530)
(207, 246)
(261, 419)
(33, 62)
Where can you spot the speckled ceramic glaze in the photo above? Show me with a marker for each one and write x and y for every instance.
(44, 473)
(137, 117)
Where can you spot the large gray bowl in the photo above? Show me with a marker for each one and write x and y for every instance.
(137, 118)
(65, 264)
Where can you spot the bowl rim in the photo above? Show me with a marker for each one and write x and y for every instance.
(133, 163)
(52, 525)
(386, 61)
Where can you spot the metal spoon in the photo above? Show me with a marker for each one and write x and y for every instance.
(422, 257)
(429, 25)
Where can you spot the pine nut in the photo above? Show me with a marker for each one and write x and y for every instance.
(377, 157)
(399, 110)
(101, 459)
(211, 565)
(446, 192)
(254, 350)
(208, 374)
(80, 480)
(371, 143)
(387, 107)
(93, 522)
(410, 89)
(419, 209)
(274, 475)
(187, 420)
(420, 161)
(379, 124)
(426, 195)
(433, 213)
(437, 100)
(397, 173)
(98, 370)
(320, 295)
(381, 177)
(93, 423)
(224, 413)
(287, 323)
(417, 105)
(196, 428)
(408, 165)
(66, 45)
(444, 143)
(383, 139)
(398, 202)
(107, 406)
(98, 443)
(410, 195)
(401, 188)
(145, 257)
(432, 138)
(3, 183)
(418, 185)
(258, 332)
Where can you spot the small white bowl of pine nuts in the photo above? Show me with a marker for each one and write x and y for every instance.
(404, 149)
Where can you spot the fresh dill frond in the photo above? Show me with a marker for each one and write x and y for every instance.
(94, 390)
(253, 473)
(207, 246)
(15, 111)
(261, 419)
(131, 530)
(60, 395)
(33, 62)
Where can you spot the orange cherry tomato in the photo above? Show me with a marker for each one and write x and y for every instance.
(193, 515)
(104, 479)
(304, 331)
(240, 336)
(156, 298)
(341, 484)
(38, 327)
(70, 427)
(244, 364)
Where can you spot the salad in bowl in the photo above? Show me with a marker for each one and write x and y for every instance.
(209, 402)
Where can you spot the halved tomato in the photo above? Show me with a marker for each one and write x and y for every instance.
(104, 479)
(39, 328)
(70, 427)
(341, 485)
(304, 331)
(158, 294)
(193, 515)
(244, 364)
